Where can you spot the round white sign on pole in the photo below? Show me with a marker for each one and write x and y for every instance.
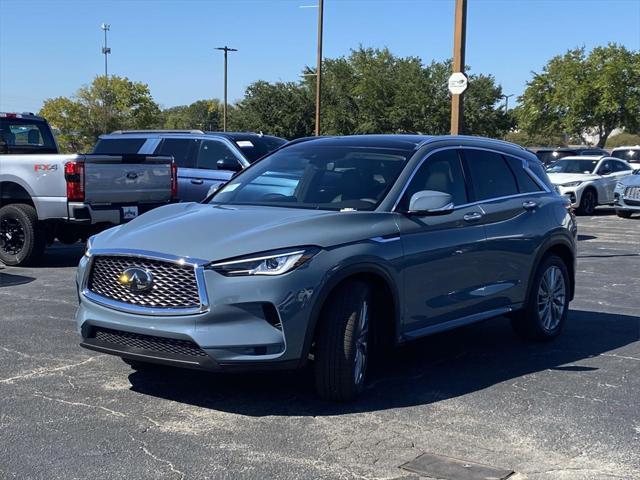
(458, 83)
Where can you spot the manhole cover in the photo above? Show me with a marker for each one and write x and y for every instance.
(447, 468)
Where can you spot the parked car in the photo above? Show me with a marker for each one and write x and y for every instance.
(45, 195)
(627, 195)
(552, 155)
(205, 159)
(588, 181)
(382, 239)
(630, 155)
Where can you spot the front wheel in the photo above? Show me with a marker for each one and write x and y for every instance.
(548, 304)
(588, 202)
(21, 239)
(342, 343)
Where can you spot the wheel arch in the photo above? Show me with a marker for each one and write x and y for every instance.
(14, 192)
(384, 287)
(563, 248)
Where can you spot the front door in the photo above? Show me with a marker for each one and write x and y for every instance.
(444, 260)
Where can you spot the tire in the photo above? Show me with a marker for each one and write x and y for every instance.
(532, 323)
(624, 214)
(22, 240)
(342, 343)
(588, 202)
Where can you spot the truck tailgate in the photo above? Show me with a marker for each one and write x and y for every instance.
(127, 179)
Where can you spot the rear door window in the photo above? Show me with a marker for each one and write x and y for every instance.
(118, 146)
(19, 132)
(491, 177)
(183, 151)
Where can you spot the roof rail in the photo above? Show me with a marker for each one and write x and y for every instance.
(121, 132)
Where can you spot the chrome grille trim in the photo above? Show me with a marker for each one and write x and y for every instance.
(196, 264)
(632, 193)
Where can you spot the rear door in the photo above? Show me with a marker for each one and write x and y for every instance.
(444, 255)
(511, 202)
(184, 152)
(608, 181)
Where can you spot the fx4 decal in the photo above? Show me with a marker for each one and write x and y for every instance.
(45, 167)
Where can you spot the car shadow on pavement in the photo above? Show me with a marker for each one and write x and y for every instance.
(436, 368)
(11, 279)
(61, 256)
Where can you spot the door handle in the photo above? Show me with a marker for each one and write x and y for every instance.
(197, 181)
(472, 217)
(529, 205)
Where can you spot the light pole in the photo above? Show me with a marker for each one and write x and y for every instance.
(506, 101)
(459, 40)
(226, 50)
(105, 50)
(319, 66)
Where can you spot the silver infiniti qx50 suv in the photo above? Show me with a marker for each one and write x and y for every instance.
(329, 248)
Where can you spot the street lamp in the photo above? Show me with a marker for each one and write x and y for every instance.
(105, 50)
(226, 50)
(506, 101)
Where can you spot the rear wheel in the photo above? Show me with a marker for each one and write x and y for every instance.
(623, 214)
(588, 202)
(342, 344)
(21, 238)
(548, 304)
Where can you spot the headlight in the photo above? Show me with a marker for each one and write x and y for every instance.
(87, 247)
(571, 184)
(270, 263)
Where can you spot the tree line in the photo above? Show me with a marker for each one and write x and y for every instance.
(373, 91)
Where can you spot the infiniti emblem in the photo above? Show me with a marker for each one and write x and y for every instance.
(137, 280)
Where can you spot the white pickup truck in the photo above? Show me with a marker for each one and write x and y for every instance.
(68, 197)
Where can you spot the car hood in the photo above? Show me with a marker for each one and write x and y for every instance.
(215, 232)
(631, 180)
(560, 178)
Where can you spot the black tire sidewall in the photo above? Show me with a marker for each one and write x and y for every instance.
(26, 216)
(588, 208)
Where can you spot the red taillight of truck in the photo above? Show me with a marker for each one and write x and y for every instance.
(74, 175)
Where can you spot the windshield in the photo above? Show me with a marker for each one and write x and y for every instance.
(573, 166)
(630, 155)
(317, 177)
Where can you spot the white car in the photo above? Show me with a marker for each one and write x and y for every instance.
(630, 154)
(588, 181)
(627, 195)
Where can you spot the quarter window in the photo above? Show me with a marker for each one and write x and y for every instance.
(525, 183)
(441, 172)
(490, 175)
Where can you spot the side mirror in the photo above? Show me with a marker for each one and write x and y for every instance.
(430, 202)
(227, 164)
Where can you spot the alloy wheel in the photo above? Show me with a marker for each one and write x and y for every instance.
(551, 298)
(12, 236)
(361, 344)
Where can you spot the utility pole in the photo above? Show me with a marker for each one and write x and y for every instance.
(319, 66)
(226, 51)
(459, 41)
(105, 50)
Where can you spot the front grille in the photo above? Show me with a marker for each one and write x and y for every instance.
(148, 342)
(632, 193)
(174, 285)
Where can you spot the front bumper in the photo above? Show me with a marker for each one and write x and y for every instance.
(250, 323)
(624, 203)
(574, 194)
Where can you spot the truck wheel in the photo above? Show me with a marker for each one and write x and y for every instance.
(342, 343)
(548, 304)
(588, 202)
(624, 214)
(22, 241)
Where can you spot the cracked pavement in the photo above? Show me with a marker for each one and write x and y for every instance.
(563, 410)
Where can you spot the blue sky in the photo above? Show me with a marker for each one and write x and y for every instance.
(49, 48)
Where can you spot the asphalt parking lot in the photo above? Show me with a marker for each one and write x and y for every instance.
(564, 410)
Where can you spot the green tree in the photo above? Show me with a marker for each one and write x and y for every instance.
(201, 115)
(107, 104)
(580, 94)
